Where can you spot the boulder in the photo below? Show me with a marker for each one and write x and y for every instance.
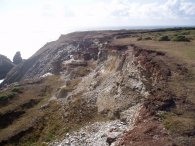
(17, 58)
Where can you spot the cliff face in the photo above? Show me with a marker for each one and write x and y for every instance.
(118, 85)
(51, 57)
(5, 66)
(81, 45)
(94, 92)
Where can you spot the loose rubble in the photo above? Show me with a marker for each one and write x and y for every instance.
(102, 133)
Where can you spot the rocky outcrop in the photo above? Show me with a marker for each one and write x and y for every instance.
(50, 58)
(5, 66)
(17, 58)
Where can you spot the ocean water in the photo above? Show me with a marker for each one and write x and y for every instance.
(130, 27)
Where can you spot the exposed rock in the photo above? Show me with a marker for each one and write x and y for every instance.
(5, 66)
(46, 75)
(18, 72)
(100, 133)
(51, 57)
(112, 138)
(17, 58)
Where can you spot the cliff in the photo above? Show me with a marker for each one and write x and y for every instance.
(98, 89)
(5, 66)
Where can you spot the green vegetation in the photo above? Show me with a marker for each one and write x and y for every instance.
(182, 50)
(147, 38)
(180, 38)
(182, 35)
(139, 38)
(47, 126)
(17, 90)
(179, 125)
(144, 38)
(25, 97)
(9, 94)
(164, 38)
(185, 32)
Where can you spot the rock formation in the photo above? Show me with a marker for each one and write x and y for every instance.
(5, 66)
(17, 59)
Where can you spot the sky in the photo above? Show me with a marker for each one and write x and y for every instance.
(26, 25)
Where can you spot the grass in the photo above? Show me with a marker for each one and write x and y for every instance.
(7, 95)
(47, 126)
(17, 90)
(41, 91)
(177, 35)
(10, 93)
(179, 125)
(184, 51)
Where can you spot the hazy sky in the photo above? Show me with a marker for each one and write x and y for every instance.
(26, 25)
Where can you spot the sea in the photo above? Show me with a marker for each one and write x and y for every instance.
(132, 27)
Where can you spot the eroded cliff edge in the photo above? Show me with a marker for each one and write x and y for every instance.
(95, 93)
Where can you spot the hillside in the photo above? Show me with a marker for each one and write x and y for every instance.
(101, 88)
(5, 66)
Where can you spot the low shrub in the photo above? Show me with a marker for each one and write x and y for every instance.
(185, 33)
(8, 95)
(180, 38)
(17, 90)
(147, 38)
(164, 38)
(139, 38)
